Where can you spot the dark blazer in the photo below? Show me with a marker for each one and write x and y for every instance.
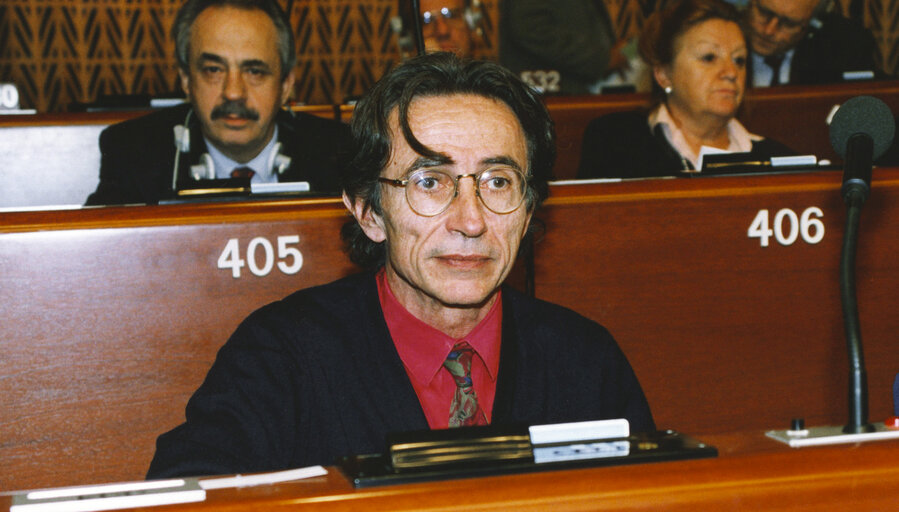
(621, 145)
(316, 376)
(138, 155)
(836, 46)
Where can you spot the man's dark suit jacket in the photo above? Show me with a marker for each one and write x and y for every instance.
(316, 376)
(621, 145)
(836, 46)
(138, 155)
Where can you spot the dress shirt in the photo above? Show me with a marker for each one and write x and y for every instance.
(423, 349)
(740, 138)
(259, 164)
(762, 72)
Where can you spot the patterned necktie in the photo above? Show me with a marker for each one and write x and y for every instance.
(242, 172)
(774, 62)
(464, 411)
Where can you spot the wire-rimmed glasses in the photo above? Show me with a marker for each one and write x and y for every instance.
(429, 192)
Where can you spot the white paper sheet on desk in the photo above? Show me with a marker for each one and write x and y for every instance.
(90, 498)
(263, 478)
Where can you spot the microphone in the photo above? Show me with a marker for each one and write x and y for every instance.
(182, 145)
(861, 131)
(416, 24)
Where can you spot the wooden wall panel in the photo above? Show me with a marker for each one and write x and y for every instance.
(64, 51)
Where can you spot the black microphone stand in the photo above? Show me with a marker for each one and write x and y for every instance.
(860, 131)
(855, 192)
(416, 23)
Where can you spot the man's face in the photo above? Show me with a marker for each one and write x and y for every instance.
(234, 79)
(444, 27)
(457, 258)
(776, 26)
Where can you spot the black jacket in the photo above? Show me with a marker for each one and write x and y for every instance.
(836, 46)
(316, 376)
(138, 155)
(621, 145)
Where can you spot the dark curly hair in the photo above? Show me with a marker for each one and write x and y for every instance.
(435, 74)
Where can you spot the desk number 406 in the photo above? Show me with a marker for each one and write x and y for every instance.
(787, 227)
(289, 259)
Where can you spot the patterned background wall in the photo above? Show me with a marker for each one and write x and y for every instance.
(61, 52)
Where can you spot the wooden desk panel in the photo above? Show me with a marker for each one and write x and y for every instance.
(113, 316)
(751, 473)
(725, 334)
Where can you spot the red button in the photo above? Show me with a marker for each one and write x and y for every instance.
(892, 423)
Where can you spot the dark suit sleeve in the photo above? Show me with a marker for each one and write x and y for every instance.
(621, 145)
(319, 150)
(568, 368)
(837, 46)
(594, 153)
(767, 147)
(243, 416)
(611, 143)
(137, 157)
(112, 188)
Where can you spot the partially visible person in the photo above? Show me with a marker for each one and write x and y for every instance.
(697, 50)
(452, 160)
(560, 46)
(235, 60)
(446, 25)
(807, 42)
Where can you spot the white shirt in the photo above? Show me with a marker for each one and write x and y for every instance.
(740, 138)
(762, 73)
(264, 173)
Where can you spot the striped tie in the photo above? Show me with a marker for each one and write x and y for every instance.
(464, 411)
(242, 172)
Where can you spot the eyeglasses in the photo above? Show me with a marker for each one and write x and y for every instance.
(430, 192)
(784, 22)
(446, 13)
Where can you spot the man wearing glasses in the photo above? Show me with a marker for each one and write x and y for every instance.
(807, 42)
(446, 26)
(450, 25)
(452, 160)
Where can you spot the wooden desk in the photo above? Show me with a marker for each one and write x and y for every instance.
(725, 334)
(793, 115)
(113, 315)
(751, 473)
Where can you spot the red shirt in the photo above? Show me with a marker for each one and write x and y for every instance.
(423, 349)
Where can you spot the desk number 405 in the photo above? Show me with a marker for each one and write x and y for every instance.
(289, 259)
(787, 227)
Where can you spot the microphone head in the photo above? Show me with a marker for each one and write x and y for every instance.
(862, 115)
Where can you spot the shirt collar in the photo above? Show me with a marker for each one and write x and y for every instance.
(762, 73)
(423, 348)
(740, 138)
(224, 165)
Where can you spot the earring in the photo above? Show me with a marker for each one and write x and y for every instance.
(668, 90)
